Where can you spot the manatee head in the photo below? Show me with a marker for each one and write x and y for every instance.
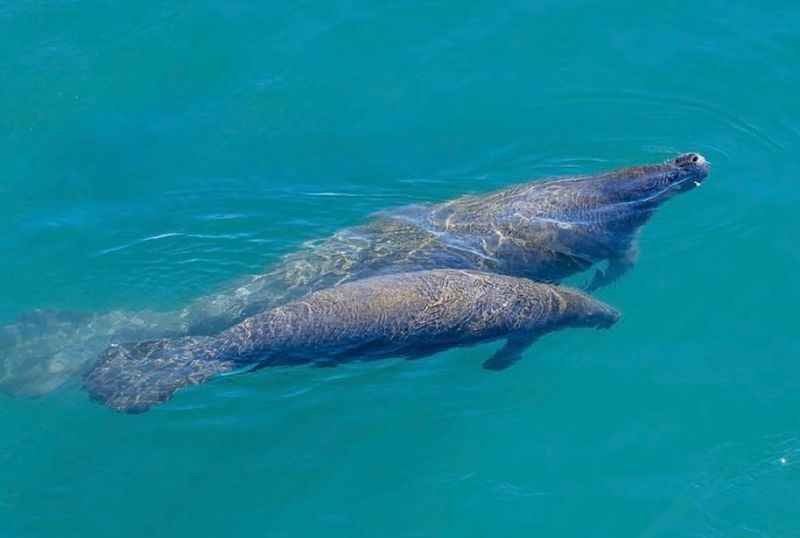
(654, 184)
(579, 309)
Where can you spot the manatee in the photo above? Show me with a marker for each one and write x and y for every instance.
(44, 349)
(410, 315)
(545, 230)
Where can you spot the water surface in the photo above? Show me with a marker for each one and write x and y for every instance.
(153, 152)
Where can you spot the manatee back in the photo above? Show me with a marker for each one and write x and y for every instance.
(387, 314)
(544, 230)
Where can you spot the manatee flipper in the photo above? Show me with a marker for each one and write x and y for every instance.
(617, 267)
(134, 377)
(510, 353)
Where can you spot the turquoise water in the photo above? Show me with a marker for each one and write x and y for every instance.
(152, 152)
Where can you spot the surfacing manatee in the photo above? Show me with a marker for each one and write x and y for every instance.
(408, 314)
(546, 230)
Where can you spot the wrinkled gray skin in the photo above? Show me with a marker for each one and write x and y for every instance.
(409, 315)
(545, 230)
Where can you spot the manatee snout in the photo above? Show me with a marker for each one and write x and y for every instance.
(694, 169)
(605, 317)
(599, 315)
(585, 311)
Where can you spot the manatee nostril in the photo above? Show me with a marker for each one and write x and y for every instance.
(690, 159)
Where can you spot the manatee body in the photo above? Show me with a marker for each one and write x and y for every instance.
(45, 348)
(545, 230)
(409, 315)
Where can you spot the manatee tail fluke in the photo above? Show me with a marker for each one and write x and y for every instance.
(132, 378)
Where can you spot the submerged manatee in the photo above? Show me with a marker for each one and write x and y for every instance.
(407, 314)
(46, 348)
(544, 230)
